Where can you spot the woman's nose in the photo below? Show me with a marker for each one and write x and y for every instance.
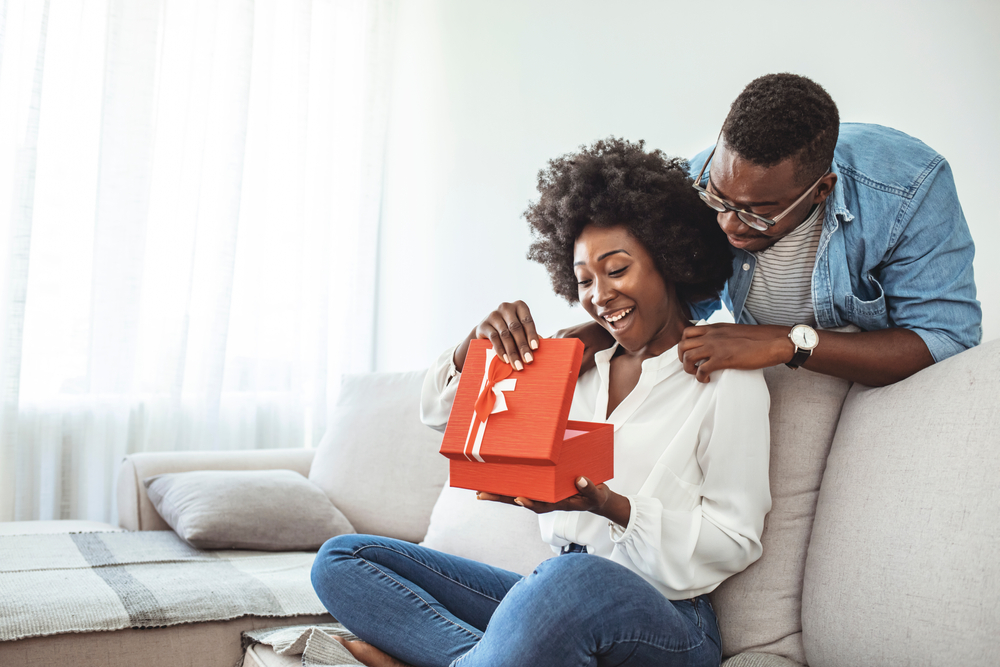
(602, 292)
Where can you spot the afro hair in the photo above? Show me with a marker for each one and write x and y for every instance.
(613, 183)
(778, 116)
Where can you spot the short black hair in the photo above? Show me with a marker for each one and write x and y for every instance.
(617, 182)
(778, 116)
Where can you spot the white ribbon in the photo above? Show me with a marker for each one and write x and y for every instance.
(500, 406)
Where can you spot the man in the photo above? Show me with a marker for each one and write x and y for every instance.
(851, 255)
(832, 225)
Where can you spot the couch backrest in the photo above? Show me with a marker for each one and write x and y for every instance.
(759, 609)
(377, 462)
(903, 566)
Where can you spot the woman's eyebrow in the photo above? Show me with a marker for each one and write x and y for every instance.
(601, 257)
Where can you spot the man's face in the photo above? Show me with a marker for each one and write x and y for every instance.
(766, 191)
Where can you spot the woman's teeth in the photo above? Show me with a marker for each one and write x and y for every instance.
(615, 318)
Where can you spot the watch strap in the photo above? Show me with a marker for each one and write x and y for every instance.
(799, 358)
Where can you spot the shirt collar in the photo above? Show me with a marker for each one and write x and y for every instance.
(836, 203)
(668, 358)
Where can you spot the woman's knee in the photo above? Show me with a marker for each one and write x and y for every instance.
(577, 570)
(593, 582)
(335, 552)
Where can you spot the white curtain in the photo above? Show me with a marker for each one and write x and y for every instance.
(189, 214)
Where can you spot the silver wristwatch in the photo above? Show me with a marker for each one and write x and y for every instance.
(805, 339)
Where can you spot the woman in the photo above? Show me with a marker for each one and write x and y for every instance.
(621, 231)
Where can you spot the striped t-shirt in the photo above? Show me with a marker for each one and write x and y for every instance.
(781, 290)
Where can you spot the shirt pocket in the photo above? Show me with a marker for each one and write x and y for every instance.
(870, 315)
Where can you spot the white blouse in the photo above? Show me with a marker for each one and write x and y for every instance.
(691, 458)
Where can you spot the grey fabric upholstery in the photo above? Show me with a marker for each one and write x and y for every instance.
(265, 510)
(902, 566)
(759, 609)
(377, 462)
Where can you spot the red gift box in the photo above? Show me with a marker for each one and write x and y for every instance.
(509, 434)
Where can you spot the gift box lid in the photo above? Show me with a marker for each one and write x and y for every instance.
(525, 411)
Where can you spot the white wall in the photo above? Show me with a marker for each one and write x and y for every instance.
(486, 92)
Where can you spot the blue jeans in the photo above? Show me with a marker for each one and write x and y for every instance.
(431, 609)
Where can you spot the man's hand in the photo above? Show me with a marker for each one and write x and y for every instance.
(713, 347)
(595, 498)
(873, 358)
(595, 338)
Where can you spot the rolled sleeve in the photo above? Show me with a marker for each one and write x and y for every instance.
(928, 279)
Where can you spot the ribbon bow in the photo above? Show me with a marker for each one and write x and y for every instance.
(496, 380)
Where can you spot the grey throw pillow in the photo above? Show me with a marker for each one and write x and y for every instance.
(265, 510)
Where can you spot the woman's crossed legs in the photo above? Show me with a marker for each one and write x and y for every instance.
(431, 609)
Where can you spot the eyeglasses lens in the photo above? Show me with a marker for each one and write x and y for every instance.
(751, 221)
(717, 204)
(712, 202)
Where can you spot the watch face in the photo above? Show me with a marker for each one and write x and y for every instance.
(804, 336)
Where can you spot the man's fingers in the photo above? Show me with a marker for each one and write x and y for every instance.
(694, 358)
(694, 332)
(704, 371)
(685, 345)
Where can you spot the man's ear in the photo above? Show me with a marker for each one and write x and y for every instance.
(825, 188)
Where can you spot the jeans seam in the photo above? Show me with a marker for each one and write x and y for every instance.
(665, 648)
(424, 565)
(414, 593)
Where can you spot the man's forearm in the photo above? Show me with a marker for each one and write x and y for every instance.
(873, 358)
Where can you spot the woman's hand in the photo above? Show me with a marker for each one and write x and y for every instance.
(512, 332)
(595, 338)
(595, 498)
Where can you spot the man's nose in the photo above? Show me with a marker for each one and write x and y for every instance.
(730, 222)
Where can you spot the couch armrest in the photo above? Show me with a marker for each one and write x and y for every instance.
(136, 512)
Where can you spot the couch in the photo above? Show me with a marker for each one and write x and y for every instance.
(880, 549)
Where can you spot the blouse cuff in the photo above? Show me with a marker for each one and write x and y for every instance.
(619, 534)
(438, 392)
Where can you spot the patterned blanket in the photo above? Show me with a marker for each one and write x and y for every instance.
(84, 582)
(315, 643)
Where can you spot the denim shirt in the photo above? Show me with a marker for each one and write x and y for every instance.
(895, 251)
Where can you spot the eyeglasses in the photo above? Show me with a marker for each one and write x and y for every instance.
(758, 222)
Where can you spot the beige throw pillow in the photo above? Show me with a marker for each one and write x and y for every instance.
(759, 609)
(265, 510)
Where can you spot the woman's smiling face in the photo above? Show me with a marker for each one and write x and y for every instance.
(620, 287)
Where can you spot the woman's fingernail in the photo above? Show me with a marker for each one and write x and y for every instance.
(528, 357)
(518, 365)
(582, 483)
(518, 501)
(534, 345)
(505, 359)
